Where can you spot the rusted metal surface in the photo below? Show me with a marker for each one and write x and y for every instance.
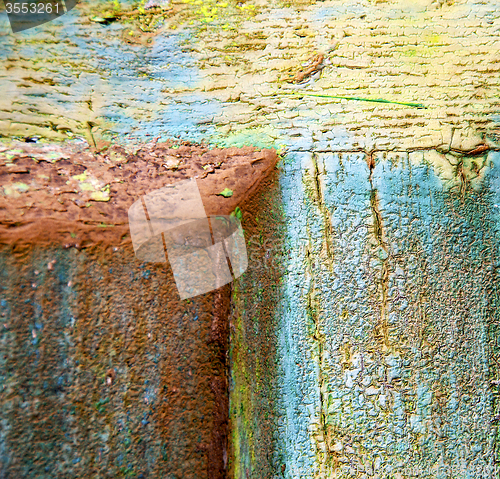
(105, 371)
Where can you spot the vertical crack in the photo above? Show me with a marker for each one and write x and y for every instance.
(217, 449)
(313, 311)
(313, 308)
(318, 200)
(381, 328)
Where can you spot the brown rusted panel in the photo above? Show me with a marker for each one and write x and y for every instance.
(105, 371)
(54, 193)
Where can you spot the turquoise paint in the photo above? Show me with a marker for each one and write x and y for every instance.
(298, 393)
(396, 425)
(439, 242)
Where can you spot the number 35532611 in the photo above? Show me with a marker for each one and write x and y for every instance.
(33, 8)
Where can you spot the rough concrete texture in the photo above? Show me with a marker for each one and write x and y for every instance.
(397, 321)
(226, 76)
(105, 372)
(364, 337)
(385, 324)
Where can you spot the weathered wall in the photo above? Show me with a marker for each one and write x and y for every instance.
(222, 76)
(368, 348)
(255, 350)
(385, 336)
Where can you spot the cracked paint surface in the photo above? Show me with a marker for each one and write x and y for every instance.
(370, 349)
(387, 326)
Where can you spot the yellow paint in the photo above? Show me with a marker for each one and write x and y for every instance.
(434, 39)
(15, 189)
(81, 177)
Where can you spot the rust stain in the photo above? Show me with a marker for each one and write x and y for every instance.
(381, 329)
(82, 197)
(315, 66)
(478, 150)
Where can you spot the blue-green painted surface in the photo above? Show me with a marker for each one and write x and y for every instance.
(388, 322)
